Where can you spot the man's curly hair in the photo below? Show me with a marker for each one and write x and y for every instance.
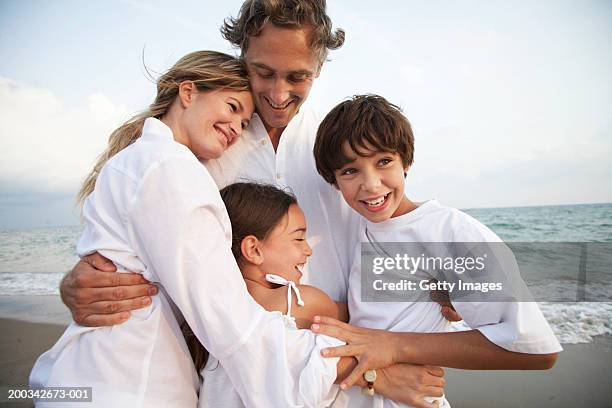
(254, 14)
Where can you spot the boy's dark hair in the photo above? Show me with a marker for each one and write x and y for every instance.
(366, 122)
(254, 209)
(254, 14)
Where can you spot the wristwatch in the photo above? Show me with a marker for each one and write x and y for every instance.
(369, 376)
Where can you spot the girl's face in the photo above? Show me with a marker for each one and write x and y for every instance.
(213, 120)
(285, 249)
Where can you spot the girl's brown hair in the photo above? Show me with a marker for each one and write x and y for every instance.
(208, 70)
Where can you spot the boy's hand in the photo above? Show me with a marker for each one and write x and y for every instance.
(411, 384)
(442, 298)
(372, 348)
(98, 296)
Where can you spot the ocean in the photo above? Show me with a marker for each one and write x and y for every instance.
(32, 261)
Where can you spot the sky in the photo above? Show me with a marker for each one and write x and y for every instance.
(510, 102)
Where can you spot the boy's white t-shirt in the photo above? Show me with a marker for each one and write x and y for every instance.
(519, 327)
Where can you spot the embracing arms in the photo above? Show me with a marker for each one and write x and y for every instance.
(468, 349)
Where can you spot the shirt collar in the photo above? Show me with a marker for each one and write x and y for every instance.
(155, 129)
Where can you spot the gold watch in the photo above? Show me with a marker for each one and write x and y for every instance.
(369, 376)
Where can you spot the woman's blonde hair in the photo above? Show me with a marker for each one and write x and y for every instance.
(208, 70)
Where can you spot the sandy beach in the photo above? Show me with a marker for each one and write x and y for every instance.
(579, 379)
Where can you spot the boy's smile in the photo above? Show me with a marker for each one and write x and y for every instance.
(372, 183)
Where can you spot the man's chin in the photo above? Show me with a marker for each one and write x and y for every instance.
(276, 119)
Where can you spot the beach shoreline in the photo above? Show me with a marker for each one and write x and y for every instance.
(30, 325)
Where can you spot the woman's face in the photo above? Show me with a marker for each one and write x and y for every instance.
(285, 250)
(213, 120)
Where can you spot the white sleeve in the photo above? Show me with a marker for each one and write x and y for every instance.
(517, 326)
(179, 227)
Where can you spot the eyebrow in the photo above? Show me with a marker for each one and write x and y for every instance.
(240, 107)
(298, 230)
(296, 72)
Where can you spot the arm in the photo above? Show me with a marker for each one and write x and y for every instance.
(468, 350)
(405, 383)
(96, 296)
(181, 231)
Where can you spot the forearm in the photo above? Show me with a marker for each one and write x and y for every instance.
(467, 350)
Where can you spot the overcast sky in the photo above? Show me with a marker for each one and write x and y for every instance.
(511, 102)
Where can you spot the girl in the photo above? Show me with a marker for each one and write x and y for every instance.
(151, 206)
(269, 244)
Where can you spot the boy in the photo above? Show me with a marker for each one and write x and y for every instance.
(364, 148)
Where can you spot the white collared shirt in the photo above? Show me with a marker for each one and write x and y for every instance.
(333, 227)
(155, 209)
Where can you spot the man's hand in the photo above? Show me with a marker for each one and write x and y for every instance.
(411, 384)
(98, 296)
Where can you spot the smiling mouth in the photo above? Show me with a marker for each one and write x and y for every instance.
(281, 107)
(376, 203)
(228, 139)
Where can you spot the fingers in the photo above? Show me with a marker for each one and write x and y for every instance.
(91, 295)
(330, 321)
(339, 351)
(434, 391)
(104, 279)
(354, 376)
(451, 315)
(421, 403)
(332, 331)
(100, 263)
(108, 313)
(104, 320)
(435, 370)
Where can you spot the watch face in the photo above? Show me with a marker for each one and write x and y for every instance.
(370, 375)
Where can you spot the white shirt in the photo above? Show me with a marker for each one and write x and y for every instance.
(331, 222)
(519, 327)
(155, 209)
(333, 227)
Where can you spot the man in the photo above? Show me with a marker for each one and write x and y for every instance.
(284, 44)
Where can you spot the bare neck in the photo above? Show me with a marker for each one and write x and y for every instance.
(274, 134)
(253, 274)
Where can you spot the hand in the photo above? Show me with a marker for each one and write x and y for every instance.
(372, 348)
(410, 384)
(442, 298)
(98, 296)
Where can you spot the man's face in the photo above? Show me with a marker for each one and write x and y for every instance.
(282, 67)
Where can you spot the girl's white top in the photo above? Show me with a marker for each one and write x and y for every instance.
(217, 390)
(155, 209)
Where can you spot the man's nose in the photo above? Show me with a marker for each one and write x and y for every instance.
(279, 93)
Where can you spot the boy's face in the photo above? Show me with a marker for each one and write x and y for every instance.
(282, 67)
(373, 184)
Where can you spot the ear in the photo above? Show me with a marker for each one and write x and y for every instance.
(186, 94)
(406, 171)
(251, 250)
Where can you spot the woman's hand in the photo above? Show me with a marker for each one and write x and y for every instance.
(372, 348)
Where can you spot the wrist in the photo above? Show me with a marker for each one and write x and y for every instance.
(405, 348)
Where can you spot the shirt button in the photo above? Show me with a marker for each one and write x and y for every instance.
(278, 176)
(262, 142)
